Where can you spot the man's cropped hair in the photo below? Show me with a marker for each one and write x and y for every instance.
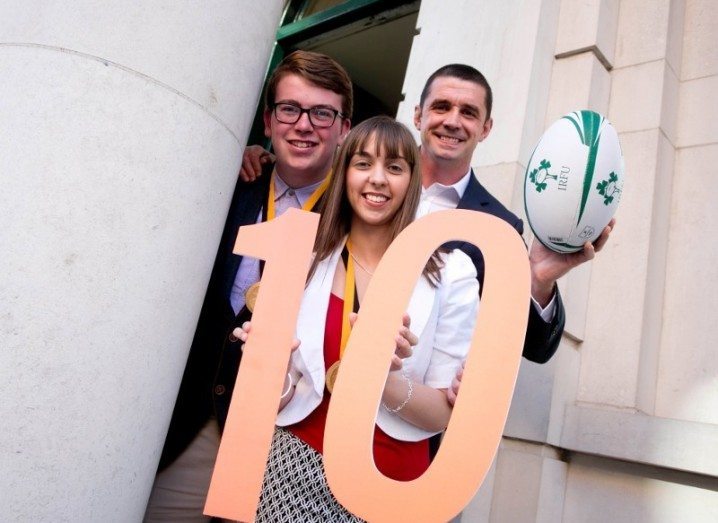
(462, 72)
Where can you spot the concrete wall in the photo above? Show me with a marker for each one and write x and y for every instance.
(122, 129)
(622, 424)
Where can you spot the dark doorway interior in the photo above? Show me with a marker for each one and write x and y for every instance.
(370, 38)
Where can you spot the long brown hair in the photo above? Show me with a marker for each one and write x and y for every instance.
(394, 140)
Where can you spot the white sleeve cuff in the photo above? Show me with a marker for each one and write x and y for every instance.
(547, 312)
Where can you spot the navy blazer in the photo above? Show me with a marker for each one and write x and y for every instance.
(206, 389)
(542, 338)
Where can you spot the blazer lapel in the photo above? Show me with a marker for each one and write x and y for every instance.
(248, 202)
(475, 198)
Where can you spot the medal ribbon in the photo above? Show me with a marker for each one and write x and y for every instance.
(351, 300)
(351, 303)
(308, 205)
(268, 213)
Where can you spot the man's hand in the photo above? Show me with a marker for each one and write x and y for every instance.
(252, 160)
(548, 266)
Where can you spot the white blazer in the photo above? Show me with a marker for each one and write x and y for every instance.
(443, 318)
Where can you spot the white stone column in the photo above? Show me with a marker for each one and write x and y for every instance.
(122, 125)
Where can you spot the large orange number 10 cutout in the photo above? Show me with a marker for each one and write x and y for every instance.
(480, 412)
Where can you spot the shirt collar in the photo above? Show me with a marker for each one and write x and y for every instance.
(302, 193)
(460, 186)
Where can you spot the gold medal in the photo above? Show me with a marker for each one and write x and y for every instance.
(332, 376)
(250, 296)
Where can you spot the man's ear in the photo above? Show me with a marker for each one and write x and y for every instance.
(267, 117)
(488, 125)
(417, 117)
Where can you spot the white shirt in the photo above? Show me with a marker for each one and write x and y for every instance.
(440, 197)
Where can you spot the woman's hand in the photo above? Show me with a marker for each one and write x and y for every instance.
(293, 375)
(405, 340)
(242, 334)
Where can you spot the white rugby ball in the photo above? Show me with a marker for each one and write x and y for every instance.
(573, 181)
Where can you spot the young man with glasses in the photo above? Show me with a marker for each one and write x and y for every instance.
(308, 107)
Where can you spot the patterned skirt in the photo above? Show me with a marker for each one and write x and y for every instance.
(295, 488)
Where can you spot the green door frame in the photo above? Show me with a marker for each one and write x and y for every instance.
(293, 30)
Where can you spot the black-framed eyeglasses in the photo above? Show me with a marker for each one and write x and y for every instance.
(319, 116)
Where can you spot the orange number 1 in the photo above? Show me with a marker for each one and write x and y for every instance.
(285, 244)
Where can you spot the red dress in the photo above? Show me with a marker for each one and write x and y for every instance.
(396, 459)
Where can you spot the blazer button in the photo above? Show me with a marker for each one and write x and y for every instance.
(219, 390)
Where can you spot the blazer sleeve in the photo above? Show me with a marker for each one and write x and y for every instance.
(458, 305)
(542, 338)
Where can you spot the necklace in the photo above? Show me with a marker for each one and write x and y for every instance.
(360, 265)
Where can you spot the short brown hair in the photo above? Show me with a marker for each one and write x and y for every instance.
(317, 68)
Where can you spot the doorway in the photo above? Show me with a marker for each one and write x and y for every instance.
(370, 38)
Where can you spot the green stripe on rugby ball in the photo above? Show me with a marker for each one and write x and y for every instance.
(573, 181)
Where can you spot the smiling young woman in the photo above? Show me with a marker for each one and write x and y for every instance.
(376, 187)
(372, 197)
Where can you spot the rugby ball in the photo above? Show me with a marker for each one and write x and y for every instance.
(573, 181)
